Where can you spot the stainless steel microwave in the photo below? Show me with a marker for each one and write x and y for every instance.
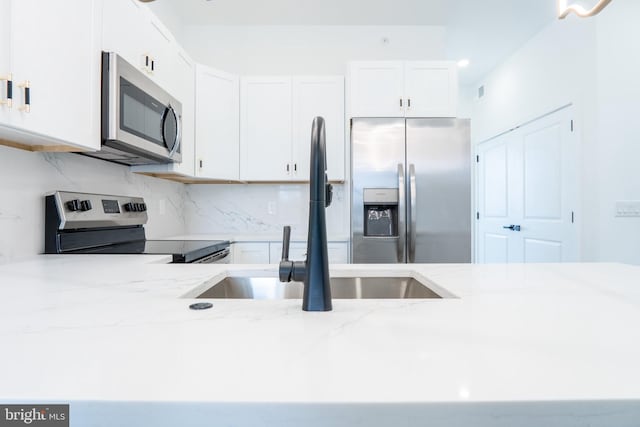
(141, 122)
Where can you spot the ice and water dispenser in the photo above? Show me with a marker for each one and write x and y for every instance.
(381, 212)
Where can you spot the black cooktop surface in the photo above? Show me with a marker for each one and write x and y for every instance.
(183, 251)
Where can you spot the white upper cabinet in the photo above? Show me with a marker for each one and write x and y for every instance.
(51, 49)
(5, 67)
(217, 124)
(276, 118)
(266, 129)
(431, 89)
(312, 97)
(132, 31)
(403, 89)
(377, 89)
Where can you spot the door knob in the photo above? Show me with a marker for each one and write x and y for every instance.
(512, 227)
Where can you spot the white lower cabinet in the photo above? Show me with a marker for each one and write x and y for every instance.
(297, 251)
(271, 252)
(250, 253)
(338, 252)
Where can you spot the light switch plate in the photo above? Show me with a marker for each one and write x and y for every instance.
(628, 209)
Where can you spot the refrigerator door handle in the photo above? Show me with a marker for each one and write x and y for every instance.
(402, 228)
(412, 213)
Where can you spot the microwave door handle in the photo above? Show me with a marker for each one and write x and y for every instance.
(178, 140)
(402, 229)
(412, 213)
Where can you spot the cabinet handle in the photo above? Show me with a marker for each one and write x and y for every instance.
(153, 65)
(295, 167)
(9, 79)
(400, 102)
(409, 103)
(287, 168)
(201, 164)
(26, 107)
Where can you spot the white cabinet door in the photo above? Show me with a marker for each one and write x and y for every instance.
(126, 30)
(161, 49)
(528, 179)
(183, 71)
(297, 251)
(338, 252)
(431, 89)
(217, 124)
(250, 253)
(377, 89)
(5, 55)
(266, 129)
(318, 96)
(56, 53)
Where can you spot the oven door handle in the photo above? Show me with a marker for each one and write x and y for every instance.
(214, 258)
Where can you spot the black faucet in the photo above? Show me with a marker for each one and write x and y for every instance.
(314, 272)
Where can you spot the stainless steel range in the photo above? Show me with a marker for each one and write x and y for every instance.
(82, 223)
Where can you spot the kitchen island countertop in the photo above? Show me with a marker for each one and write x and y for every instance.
(523, 345)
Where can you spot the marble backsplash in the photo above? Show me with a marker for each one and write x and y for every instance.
(260, 210)
(25, 178)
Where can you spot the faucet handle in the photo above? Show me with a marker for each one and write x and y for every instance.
(286, 239)
(286, 267)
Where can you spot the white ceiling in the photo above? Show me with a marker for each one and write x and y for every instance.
(485, 31)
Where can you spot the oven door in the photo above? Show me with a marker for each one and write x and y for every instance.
(142, 118)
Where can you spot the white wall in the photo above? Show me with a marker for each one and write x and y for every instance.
(618, 108)
(593, 64)
(25, 179)
(256, 50)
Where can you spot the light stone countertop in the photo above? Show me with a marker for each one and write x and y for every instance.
(520, 345)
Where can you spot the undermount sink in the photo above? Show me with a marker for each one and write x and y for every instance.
(270, 288)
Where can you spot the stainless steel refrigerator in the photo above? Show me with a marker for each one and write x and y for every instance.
(411, 191)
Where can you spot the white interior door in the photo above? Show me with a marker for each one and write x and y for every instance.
(527, 194)
(495, 205)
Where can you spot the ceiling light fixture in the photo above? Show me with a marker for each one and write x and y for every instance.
(463, 63)
(564, 9)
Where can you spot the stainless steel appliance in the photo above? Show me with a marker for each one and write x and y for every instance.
(141, 122)
(81, 223)
(411, 191)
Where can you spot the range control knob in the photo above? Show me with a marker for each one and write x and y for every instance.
(142, 207)
(85, 205)
(73, 205)
(129, 207)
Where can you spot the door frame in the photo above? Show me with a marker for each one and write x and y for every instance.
(576, 136)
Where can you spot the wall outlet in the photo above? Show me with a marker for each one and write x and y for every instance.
(628, 209)
(272, 208)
